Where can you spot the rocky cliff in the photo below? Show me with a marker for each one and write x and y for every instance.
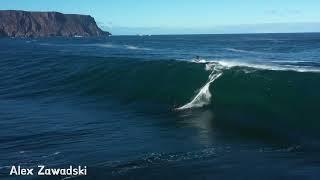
(47, 24)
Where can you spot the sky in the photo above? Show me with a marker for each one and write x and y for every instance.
(186, 16)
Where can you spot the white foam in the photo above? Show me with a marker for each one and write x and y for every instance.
(108, 45)
(274, 67)
(136, 48)
(102, 45)
(69, 177)
(201, 61)
(240, 50)
(227, 64)
(204, 95)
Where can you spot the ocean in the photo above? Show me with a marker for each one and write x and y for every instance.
(146, 107)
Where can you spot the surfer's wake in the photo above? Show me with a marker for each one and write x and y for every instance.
(203, 97)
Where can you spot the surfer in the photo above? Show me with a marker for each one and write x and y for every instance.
(197, 58)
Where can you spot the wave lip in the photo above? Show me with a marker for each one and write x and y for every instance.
(273, 65)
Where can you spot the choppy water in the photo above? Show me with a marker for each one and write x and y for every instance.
(131, 107)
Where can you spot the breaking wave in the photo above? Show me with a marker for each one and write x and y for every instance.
(248, 95)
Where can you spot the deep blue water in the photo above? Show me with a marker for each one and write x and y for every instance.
(142, 107)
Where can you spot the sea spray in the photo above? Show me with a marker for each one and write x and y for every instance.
(204, 95)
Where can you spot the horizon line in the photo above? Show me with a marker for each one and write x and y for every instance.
(143, 35)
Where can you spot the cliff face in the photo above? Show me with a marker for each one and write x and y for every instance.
(47, 24)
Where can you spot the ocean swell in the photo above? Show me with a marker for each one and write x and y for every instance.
(238, 94)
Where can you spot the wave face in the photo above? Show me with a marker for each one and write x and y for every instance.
(140, 107)
(241, 94)
(161, 80)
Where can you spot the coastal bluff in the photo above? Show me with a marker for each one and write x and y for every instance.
(47, 24)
